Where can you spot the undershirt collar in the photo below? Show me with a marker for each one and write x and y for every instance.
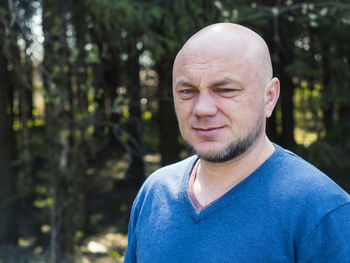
(191, 193)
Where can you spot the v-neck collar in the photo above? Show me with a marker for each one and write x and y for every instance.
(227, 198)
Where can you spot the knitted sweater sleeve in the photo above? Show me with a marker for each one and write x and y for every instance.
(130, 255)
(330, 239)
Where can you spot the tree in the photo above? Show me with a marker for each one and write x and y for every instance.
(8, 226)
(15, 70)
(58, 123)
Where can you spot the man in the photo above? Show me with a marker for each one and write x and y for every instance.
(241, 198)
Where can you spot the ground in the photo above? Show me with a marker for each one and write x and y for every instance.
(108, 210)
(109, 245)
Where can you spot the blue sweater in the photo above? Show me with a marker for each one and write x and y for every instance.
(285, 211)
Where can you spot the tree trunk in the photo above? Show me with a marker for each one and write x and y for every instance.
(58, 124)
(8, 225)
(136, 169)
(271, 124)
(287, 93)
(168, 129)
(271, 127)
(79, 106)
(284, 51)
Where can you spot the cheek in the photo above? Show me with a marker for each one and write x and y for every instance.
(245, 112)
(182, 113)
(182, 107)
(254, 102)
(177, 107)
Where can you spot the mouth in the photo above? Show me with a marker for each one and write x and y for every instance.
(208, 131)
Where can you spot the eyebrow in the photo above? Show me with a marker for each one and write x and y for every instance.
(223, 82)
(184, 83)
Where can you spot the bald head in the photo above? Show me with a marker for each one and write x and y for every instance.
(229, 41)
(223, 92)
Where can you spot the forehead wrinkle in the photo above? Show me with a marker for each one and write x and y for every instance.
(198, 61)
(184, 83)
(192, 69)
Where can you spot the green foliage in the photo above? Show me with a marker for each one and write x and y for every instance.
(114, 254)
(79, 235)
(150, 135)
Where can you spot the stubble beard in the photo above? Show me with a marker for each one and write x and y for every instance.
(235, 149)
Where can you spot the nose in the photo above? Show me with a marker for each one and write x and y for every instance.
(205, 105)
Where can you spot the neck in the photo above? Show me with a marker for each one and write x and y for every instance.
(215, 179)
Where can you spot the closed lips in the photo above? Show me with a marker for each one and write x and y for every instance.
(208, 131)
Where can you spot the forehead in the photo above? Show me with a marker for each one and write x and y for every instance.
(212, 63)
(224, 50)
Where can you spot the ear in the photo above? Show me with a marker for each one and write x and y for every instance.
(272, 92)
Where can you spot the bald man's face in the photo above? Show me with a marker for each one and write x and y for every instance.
(219, 100)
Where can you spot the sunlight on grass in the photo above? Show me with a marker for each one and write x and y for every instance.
(105, 248)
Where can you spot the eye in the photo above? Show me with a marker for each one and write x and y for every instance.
(186, 93)
(225, 92)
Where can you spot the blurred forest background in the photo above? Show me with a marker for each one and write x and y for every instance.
(86, 110)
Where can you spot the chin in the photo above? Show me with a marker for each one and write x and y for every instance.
(225, 153)
(213, 154)
(209, 149)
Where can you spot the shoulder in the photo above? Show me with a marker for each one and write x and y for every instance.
(307, 195)
(170, 174)
(164, 182)
(307, 199)
(329, 240)
(302, 180)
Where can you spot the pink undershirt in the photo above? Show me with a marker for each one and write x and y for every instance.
(193, 198)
